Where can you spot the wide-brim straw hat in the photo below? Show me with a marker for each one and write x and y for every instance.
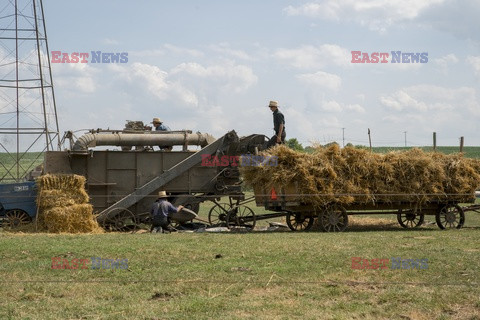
(162, 194)
(273, 103)
(156, 120)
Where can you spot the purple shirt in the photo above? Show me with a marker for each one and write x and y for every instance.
(162, 207)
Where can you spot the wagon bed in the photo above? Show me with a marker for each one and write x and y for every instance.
(333, 216)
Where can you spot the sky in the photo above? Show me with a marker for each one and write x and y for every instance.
(213, 66)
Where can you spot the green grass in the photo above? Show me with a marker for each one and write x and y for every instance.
(256, 275)
(28, 162)
(469, 152)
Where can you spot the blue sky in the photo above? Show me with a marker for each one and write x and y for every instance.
(212, 66)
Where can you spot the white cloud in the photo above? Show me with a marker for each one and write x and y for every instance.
(75, 77)
(377, 15)
(225, 49)
(321, 79)
(445, 61)
(355, 107)
(430, 98)
(307, 57)
(337, 107)
(188, 84)
(475, 62)
(227, 76)
(183, 51)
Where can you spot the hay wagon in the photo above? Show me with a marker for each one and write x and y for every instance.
(333, 217)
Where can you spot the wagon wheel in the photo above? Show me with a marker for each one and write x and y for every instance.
(333, 218)
(120, 219)
(241, 216)
(299, 222)
(218, 214)
(450, 216)
(15, 218)
(410, 219)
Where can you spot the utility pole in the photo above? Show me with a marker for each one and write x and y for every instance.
(370, 139)
(405, 132)
(343, 137)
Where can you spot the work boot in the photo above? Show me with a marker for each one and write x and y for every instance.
(157, 230)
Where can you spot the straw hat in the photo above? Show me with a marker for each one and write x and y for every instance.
(156, 120)
(162, 194)
(273, 104)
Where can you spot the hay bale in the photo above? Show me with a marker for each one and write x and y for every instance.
(77, 218)
(63, 205)
(335, 175)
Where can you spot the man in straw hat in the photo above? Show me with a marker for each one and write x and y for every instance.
(160, 211)
(159, 126)
(278, 125)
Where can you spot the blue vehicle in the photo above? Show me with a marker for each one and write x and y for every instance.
(17, 203)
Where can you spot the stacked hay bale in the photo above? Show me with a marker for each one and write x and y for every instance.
(63, 205)
(335, 175)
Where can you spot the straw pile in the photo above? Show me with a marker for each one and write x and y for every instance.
(352, 175)
(63, 205)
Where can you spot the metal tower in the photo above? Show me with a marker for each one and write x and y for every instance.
(28, 114)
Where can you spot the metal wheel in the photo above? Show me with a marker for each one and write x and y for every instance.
(121, 219)
(15, 218)
(410, 219)
(298, 221)
(241, 216)
(218, 214)
(333, 218)
(450, 216)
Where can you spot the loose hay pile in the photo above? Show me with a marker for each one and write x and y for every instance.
(352, 175)
(63, 205)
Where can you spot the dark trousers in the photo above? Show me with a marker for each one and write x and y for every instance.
(159, 221)
(273, 140)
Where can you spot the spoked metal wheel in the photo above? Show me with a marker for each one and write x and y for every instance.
(241, 216)
(16, 218)
(410, 218)
(218, 214)
(121, 219)
(333, 218)
(299, 222)
(450, 216)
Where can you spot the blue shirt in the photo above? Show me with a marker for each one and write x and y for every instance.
(162, 208)
(162, 127)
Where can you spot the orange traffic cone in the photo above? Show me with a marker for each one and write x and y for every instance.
(273, 194)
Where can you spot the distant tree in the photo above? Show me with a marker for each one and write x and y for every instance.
(331, 144)
(308, 149)
(293, 143)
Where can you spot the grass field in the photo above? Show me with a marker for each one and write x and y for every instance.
(28, 162)
(279, 275)
(275, 275)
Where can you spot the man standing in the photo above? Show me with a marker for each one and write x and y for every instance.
(160, 211)
(278, 125)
